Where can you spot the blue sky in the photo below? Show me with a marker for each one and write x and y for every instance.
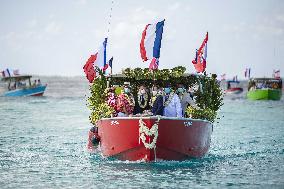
(57, 37)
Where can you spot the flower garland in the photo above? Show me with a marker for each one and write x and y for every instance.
(145, 96)
(152, 100)
(112, 102)
(145, 131)
(126, 103)
(168, 101)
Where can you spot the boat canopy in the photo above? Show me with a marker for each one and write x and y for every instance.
(187, 79)
(16, 78)
(266, 79)
(273, 83)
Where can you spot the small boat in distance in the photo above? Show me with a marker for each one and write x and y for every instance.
(233, 90)
(17, 86)
(232, 86)
(265, 89)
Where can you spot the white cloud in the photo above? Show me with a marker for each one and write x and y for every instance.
(81, 2)
(32, 23)
(174, 7)
(53, 28)
(280, 17)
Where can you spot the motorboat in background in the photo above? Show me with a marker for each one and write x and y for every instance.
(233, 86)
(21, 85)
(265, 89)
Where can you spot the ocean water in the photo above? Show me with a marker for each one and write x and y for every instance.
(43, 144)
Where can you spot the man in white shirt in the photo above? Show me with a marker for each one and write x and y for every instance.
(172, 103)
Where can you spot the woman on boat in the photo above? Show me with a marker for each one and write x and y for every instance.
(185, 98)
(126, 102)
(142, 100)
(172, 103)
(158, 101)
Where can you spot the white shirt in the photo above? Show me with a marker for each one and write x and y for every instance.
(173, 109)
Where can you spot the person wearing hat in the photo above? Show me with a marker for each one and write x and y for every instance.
(126, 102)
(172, 103)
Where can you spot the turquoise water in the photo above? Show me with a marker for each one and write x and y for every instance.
(43, 144)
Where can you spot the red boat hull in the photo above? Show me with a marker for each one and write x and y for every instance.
(236, 90)
(177, 139)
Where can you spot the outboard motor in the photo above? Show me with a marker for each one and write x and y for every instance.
(94, 138)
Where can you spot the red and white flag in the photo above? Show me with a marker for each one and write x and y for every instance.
(223, 77)
(277, 74)
(89, 68)
(96, 60)
(150, 44)
(200, 57)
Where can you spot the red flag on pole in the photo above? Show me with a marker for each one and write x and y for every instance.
(89, 68)
(200, 60)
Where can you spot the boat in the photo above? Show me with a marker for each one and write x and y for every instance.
(144, 136)
(17, 86)
(265, 89)
(153, 138)
(235, 89)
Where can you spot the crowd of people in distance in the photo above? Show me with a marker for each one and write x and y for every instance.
(23, 85)
(155, 101)
(263, 85)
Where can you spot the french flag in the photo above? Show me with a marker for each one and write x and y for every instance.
(98, 60)
(150, 44)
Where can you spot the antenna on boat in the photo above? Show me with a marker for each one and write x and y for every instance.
(110, 17)
(109, 24)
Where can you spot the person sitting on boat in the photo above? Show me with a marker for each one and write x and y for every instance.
(126, 102)
(38, 82)
(172, 103)
(142, 100)
(185, 98)
(158, 101)
(34, 84)
(228, 85)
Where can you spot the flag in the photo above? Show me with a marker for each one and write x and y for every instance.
(195, 60)
(154, 65)
(223, 77)
(96, 60)
(150, 44)
(277, 74)
(6, 73)
(200, 57)
(101, 58)
(108, 65)
(16, 72)
(89, 68)
(247, 73)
